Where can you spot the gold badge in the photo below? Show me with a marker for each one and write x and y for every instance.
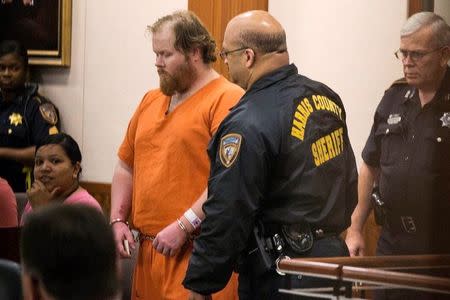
(48, 112)
(229, 148)
(15, 119)
(53, 130)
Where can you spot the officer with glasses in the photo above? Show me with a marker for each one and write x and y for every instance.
(283, 174)
(407, 154)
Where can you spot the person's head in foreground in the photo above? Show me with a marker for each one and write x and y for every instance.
(68, 252)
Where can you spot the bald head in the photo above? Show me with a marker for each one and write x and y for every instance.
(258, 30)
(254, 45)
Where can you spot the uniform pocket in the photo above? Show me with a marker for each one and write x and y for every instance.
(16, 136)
(391, 138)
(437, 149)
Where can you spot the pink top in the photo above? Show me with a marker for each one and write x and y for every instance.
(8, 205)
(79, 197)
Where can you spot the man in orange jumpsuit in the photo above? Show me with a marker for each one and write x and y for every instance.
(162, 172)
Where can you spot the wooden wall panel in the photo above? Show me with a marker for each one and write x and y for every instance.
(215, 14)
(415, 6)
(371, 234)
(101, 192)
(205, 11)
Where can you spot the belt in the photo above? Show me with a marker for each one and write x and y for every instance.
(318, 232)
(405, 224)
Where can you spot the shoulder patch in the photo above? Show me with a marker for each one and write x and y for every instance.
(229, 148)
(48, 112)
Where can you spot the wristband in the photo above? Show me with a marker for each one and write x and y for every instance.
(192, 218)
(118, 220)
(183, 227)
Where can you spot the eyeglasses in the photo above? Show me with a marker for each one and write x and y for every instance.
(223, 54)
(413, 55)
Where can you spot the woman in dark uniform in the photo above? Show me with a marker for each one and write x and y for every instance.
(25, 117)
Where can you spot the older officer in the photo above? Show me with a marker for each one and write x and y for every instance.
(409, 145)
(407, 152)
(282, 170)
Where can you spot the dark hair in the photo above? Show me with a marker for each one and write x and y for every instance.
(69, 145)
(263, 42)
(71, 250)
(14, 47)
(190, 33)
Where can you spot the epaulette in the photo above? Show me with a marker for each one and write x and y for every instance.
(38, 99)
(399, 82)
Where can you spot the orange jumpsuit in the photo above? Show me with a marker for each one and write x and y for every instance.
(167, 153)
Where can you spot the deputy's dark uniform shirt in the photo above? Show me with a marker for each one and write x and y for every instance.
(24, 122)
(283, 156)
(411, 146)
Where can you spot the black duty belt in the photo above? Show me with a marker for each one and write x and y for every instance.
(272, 242)
(318, 232)
(298, 237)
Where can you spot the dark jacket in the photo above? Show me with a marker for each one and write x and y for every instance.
(411, 146)
(24, 122)
(283, 156)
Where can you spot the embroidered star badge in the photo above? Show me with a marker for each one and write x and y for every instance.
(15, 119)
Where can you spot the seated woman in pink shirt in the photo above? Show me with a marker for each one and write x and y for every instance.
(8, 205)
(57, 168)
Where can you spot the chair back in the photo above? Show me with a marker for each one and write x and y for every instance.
(10, 280)
(9, 243)
(21, 199)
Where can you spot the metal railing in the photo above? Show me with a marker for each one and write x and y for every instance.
(370, 272)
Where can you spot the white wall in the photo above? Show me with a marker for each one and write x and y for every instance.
(349, 45)
(346, 44)
(65, 86)
(442, 8)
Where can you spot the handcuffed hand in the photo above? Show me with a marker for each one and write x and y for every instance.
(170, 240)
(121, 233)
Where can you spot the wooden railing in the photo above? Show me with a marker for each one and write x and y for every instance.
(367, 270)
